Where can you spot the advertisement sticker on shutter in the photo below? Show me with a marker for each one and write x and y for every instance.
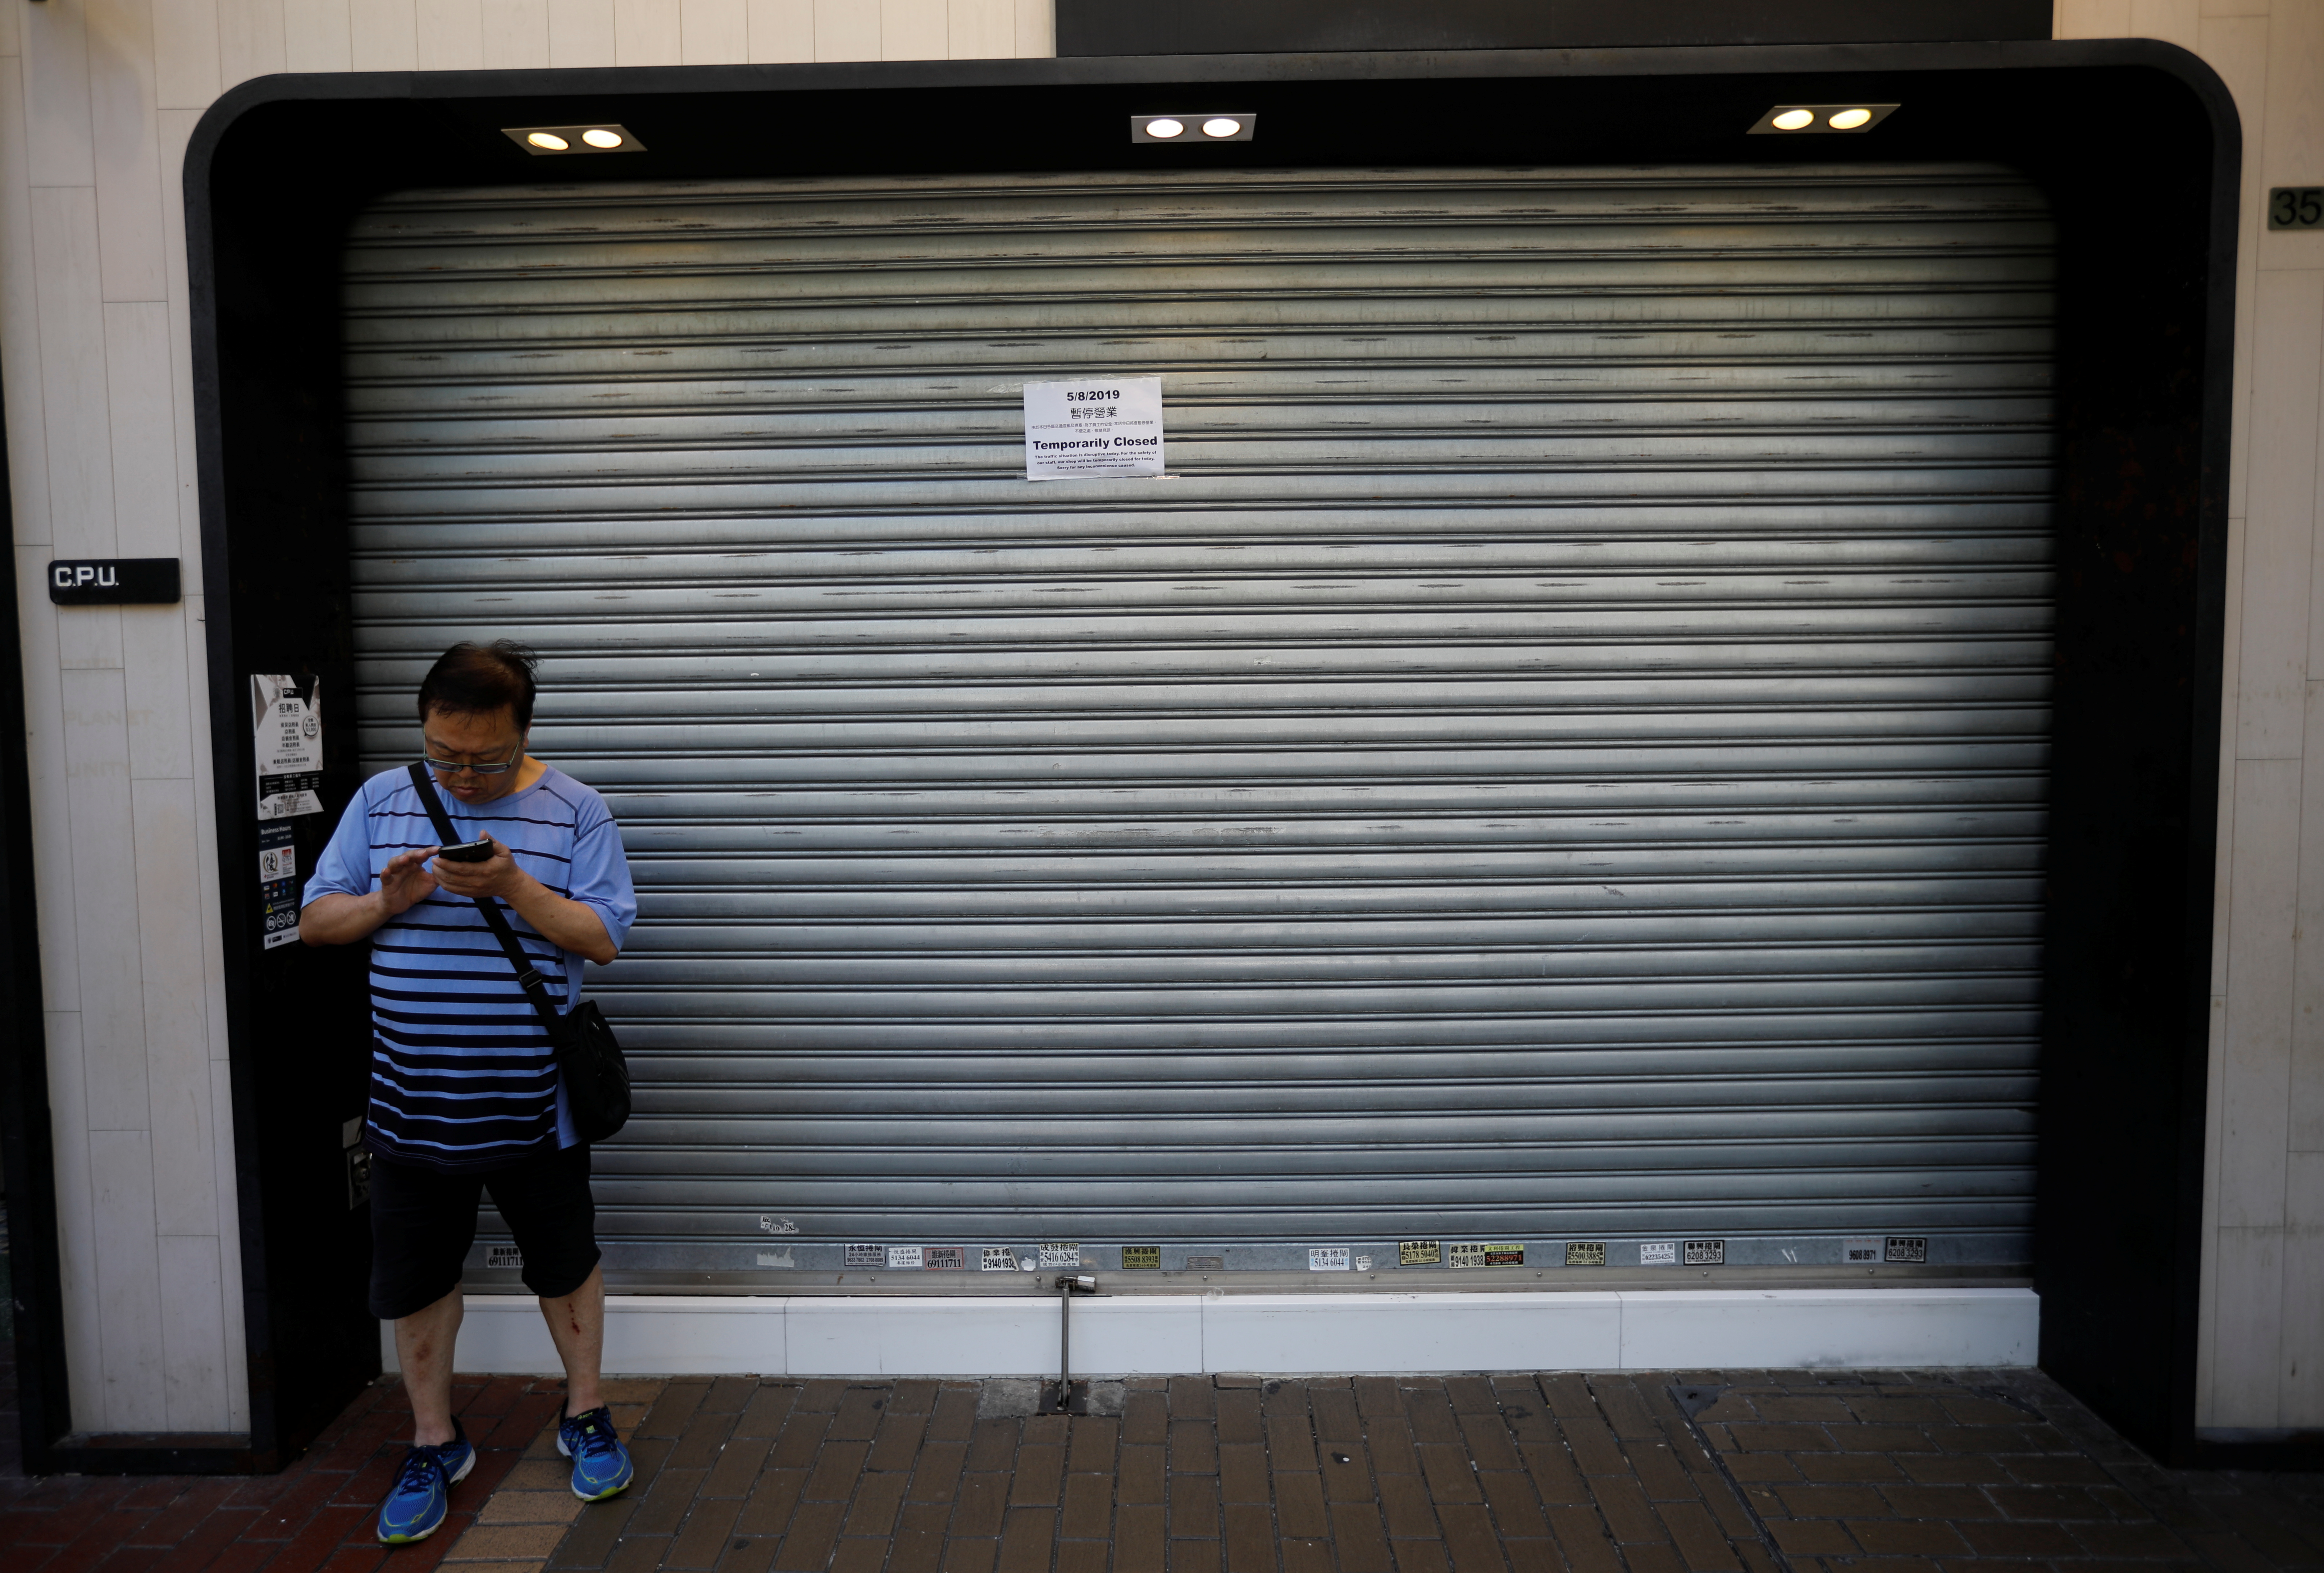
(945, 1259)
(1466, 1255)
(904, 1255)
(998, 1259)
(1061, 1254)
(1854, 1251)
(1658, 1254)
(1418, 1253)
(1585, 1252)
(1147, 1258)
(866, 1255)
(1078, 431)
(1327, 1259)
(1907, 1249)
(290, 742)
(1706, 1253)
(503, 1256)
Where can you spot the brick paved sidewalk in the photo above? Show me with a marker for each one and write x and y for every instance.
(1702, 1472)
(319, 1512)
(1873, 1472)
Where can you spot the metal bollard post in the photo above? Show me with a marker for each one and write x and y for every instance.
(1067, 1285)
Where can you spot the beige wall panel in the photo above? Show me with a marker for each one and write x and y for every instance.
(451, 35)
(2292, 151)
(229, 1244)
(782, 31)
(980, 30)
(2090, 19)
(2236, 48)
(385, 34)
(20, 320)
(516, 35)
(2250, 1331)
(128, 157)
(194, 1335)
(12, 33)
(2234, 7)
(714, 33)
(2224, 861)
(2300, 1364)
(647, 33)
(2280, 541)
(56, 95)
(318, 35)
(162, 704)
(1036, 29)
(2260, 976)
(250, 39)
(80, 441)
(105, 901)
(2207, 1287)
(846, 30)
(914, 30)
(2305, 1124)
(177, 1039)
(2178, 21)
(176, 126)
(185, 57)
(76, 1216)
(580, 32)
(128, 1281)
(50, 784)
(142, 423)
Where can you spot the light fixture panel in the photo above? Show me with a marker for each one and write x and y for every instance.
(573, 136)
(1194, 126)
(1820, 119)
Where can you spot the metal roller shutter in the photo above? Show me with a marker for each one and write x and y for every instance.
(1561, 756)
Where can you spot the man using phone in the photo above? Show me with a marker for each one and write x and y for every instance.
(464, 1092)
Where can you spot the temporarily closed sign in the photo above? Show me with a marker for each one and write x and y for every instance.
(1090, 430)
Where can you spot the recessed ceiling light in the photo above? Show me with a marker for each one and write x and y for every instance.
(1821, 119)
(551, 142)
(1174, 128)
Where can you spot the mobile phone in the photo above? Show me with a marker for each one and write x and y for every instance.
(474, 852)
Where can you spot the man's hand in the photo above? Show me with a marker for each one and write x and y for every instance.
(405, 881)
(497, 875)
(571, 925)
(340, 919)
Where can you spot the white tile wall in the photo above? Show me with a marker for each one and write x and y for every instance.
(97, 98)
(2261, 1364)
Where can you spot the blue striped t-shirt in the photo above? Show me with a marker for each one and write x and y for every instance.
(462, 1075)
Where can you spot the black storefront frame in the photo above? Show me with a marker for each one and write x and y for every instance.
(2137, 140)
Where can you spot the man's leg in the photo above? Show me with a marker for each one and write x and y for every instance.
(576, 1325)
(423, 1345)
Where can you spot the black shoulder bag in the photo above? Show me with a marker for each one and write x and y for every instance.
(596, 1077)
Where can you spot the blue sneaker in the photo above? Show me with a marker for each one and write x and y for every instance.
(419, 1498)
(601, 1465)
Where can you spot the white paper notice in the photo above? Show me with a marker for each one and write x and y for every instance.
(289, 745)
(1089, 430)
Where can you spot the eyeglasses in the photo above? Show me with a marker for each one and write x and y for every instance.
(454, 767)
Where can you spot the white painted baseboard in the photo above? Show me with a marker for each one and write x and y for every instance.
(1279, 1334)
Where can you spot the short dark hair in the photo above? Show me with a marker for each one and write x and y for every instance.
(474, 679)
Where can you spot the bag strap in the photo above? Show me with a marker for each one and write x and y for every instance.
(535, 989)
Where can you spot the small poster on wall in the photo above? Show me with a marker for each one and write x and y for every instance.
(289, 745)
(1081, 431)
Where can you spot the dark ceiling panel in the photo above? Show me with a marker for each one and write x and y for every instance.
(1205, 27)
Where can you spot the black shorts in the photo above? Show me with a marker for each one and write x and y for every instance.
(423, 1220)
